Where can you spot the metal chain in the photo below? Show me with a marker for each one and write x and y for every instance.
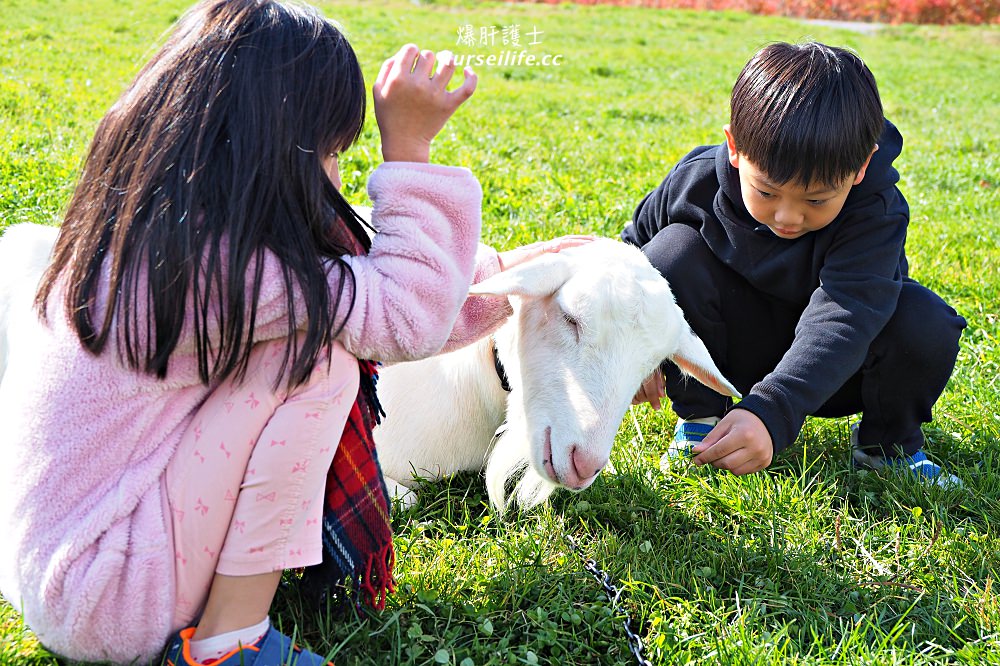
(635, 644)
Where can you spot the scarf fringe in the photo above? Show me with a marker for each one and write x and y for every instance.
(377, 583)
(328, 584)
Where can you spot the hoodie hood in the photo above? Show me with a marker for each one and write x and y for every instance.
(880, 175)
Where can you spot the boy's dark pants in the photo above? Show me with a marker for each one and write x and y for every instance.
(747, 332)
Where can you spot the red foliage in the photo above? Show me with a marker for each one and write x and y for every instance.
(883, 11)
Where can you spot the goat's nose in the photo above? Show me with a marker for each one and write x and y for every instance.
(587, 464)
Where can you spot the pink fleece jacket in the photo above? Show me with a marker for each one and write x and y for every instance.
(85, 543)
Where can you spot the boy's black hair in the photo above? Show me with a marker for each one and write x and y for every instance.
(213, 156)
(808, 113)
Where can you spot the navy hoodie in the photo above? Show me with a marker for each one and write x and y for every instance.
(847, 276)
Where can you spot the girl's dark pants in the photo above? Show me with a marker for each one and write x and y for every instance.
(747, 332)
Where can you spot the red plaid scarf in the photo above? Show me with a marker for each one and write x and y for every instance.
(357, 532)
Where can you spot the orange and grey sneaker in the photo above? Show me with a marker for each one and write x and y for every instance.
(272, 649)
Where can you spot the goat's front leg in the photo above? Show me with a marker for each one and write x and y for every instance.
(402, 496)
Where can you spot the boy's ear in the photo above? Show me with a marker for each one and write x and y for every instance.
(864, 167)
(734, 156)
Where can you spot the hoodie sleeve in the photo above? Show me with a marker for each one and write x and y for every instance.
(684, 195)
(859, 287)
(406, 293)
(480, 315)
(409, 289)
(650, 215)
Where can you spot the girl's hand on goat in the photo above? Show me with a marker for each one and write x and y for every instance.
(412, 102)
(739, 443)
(653, 390)
(520, 255)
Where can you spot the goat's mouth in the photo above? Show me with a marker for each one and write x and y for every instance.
(550, 469)
(572, 478)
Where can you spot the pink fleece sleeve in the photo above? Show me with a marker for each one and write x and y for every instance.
(411, 289)
(415, 279)
(480, 315)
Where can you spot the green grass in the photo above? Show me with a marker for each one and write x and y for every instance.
(809, 562)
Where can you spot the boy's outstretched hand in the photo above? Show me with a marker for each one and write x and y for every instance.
(739, 443)
(412, 102)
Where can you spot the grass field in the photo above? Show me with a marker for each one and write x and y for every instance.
(809, 562)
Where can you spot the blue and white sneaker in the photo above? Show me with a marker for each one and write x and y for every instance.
(686, 435)
(918, 465)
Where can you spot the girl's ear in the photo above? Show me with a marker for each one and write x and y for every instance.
(539, 277)
(734, 155)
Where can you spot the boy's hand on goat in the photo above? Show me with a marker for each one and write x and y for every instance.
(653, 390)
(412, 102)
(739, 443)
(520, 255)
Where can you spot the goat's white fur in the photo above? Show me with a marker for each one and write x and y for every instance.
(570, 384)
(24, 254)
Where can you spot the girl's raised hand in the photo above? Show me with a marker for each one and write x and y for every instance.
(412, 102)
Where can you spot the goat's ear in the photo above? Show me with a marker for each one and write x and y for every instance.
(539, 277)
(693, 359)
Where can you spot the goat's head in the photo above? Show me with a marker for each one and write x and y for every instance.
(589, 325)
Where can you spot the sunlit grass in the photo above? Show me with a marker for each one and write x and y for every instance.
(810, 562)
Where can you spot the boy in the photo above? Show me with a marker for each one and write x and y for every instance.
(784, 246)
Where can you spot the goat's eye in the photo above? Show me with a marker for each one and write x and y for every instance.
(571, 321)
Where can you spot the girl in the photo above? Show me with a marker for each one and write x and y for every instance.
(171, 417)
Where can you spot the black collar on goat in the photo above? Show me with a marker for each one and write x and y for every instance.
(501, 373)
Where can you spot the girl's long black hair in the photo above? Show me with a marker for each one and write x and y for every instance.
(214, 154)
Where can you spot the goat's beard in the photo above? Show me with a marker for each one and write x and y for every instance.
(507, 461)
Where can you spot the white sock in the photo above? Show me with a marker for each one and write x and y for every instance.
(214, 647)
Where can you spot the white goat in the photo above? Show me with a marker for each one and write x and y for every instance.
(589, 324)
(24, 253)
